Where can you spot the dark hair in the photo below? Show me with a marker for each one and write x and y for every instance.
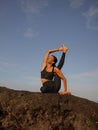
(55, 60)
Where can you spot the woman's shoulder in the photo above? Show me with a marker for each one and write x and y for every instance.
(43, 67)
(56, 69)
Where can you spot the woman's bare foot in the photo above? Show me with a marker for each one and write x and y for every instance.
(65, 49)
(65, 93)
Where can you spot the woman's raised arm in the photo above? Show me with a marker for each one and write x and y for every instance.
(44, 62)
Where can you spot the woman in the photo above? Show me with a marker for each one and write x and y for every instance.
(51, 74)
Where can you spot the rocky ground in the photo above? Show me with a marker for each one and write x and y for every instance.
(23, 110)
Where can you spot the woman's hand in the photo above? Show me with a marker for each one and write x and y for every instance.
(63, 48)
(65, 93)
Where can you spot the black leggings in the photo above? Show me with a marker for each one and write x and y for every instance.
(54, 86)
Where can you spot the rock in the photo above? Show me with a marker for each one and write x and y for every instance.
(24, 110)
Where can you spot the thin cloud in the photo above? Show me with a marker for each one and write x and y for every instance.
(91, 74)
(23, 85)
(5, 65)
(76, 3)
(92, 17)
(91, 14)
(33, 6)
(31, 79)
(30, 33)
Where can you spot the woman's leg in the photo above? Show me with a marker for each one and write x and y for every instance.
(61, 62)
(48, 87)
(57, 79)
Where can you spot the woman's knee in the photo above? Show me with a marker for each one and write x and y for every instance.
(42, 89)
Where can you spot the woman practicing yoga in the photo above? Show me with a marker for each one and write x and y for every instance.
(51, 74)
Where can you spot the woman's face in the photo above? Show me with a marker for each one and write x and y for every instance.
(50, 60)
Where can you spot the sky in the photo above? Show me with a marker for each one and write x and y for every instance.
(28, 28)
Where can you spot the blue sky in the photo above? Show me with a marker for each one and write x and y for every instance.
(30, 27)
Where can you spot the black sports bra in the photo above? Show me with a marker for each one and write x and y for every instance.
(47, 75)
